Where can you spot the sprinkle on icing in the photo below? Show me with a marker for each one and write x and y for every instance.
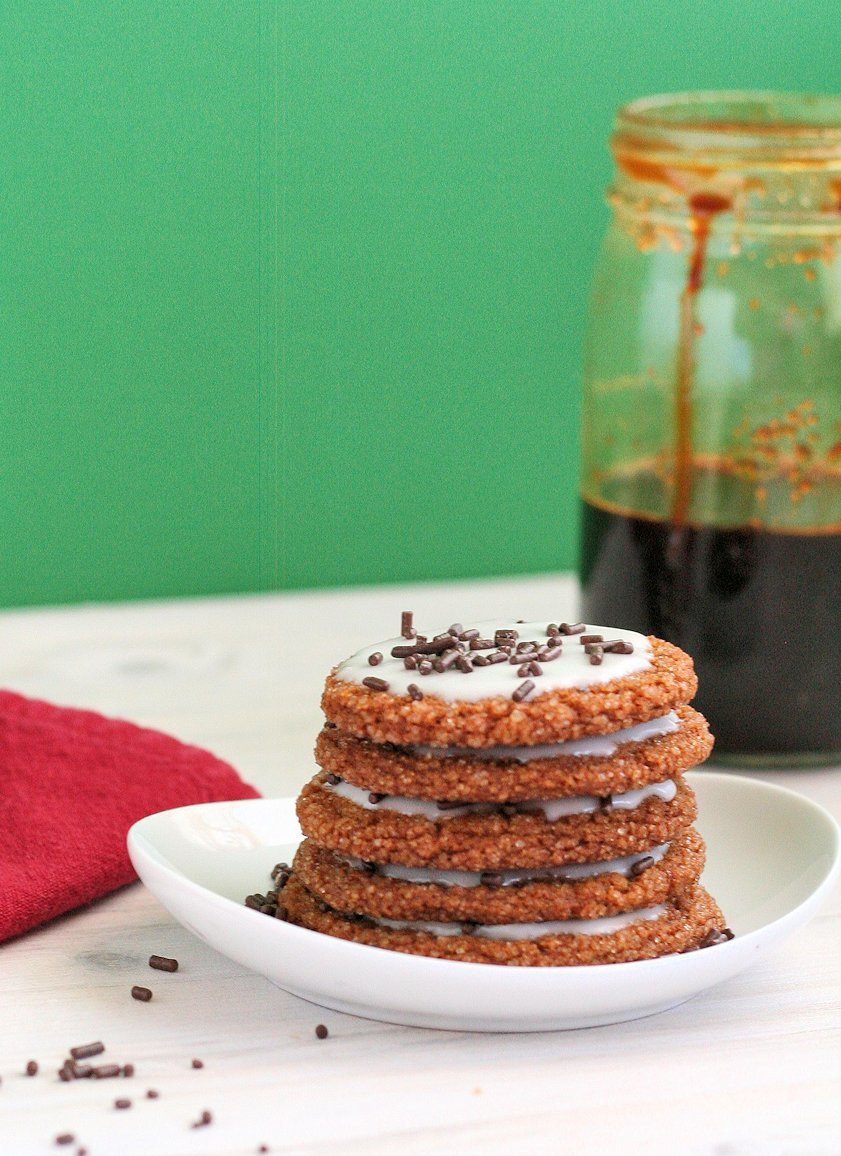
(498, 658)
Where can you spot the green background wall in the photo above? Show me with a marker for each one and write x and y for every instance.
(292, 293)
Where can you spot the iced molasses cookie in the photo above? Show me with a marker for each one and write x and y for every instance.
(579, 890)
(490, 836)
(594, 765)
(681, 923)
(506, 683)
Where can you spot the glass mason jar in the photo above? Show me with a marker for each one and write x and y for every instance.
(711, 472)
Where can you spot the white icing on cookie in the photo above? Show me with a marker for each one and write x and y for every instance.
(571, 872)
(552, 808)
(593, 746)
(606, 925)
(572, 669)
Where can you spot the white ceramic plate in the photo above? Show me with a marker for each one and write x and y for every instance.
(772, 856)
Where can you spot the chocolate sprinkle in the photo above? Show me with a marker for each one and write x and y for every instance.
(619, 646)
(164, 963)
(82, 1051)
(76, 1071)
(523, 690)
(502, 636)
(65, 1138)
(376, 796)
(585, 638)
(204, 1119)
(640, 866)
(374, 683)
(438, 645)
(321, 1031)
(573, 627)
(406, 628)
(491, 878)
(141, 993)
(32, 1068)
(448, 658)
(375, 659)
(715, 936)
(122, 1103)
(414, 692)
(596, 655)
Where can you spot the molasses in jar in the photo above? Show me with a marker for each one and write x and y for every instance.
(711, 476)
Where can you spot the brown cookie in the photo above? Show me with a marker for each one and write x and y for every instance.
(493, 841)
(553, 716)
(344, 887)
(687, 919)
(398, 771)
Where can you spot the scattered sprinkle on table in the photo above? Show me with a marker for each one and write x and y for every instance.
(32, 1068)
(141, 993)
(163, 963)
(321, 1032)
(106, 1072)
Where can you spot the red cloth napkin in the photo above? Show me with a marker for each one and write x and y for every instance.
(71, 784)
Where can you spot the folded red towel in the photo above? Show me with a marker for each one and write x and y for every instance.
(72, 782)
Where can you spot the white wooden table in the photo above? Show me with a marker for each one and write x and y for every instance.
(753, 1066)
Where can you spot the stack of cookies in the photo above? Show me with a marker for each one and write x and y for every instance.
(509, 793)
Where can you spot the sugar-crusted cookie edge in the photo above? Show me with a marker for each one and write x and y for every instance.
(350, 889)
(553, 716)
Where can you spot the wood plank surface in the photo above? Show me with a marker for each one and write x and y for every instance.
(750, 1067)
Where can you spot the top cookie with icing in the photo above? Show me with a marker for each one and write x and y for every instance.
(506, 682)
